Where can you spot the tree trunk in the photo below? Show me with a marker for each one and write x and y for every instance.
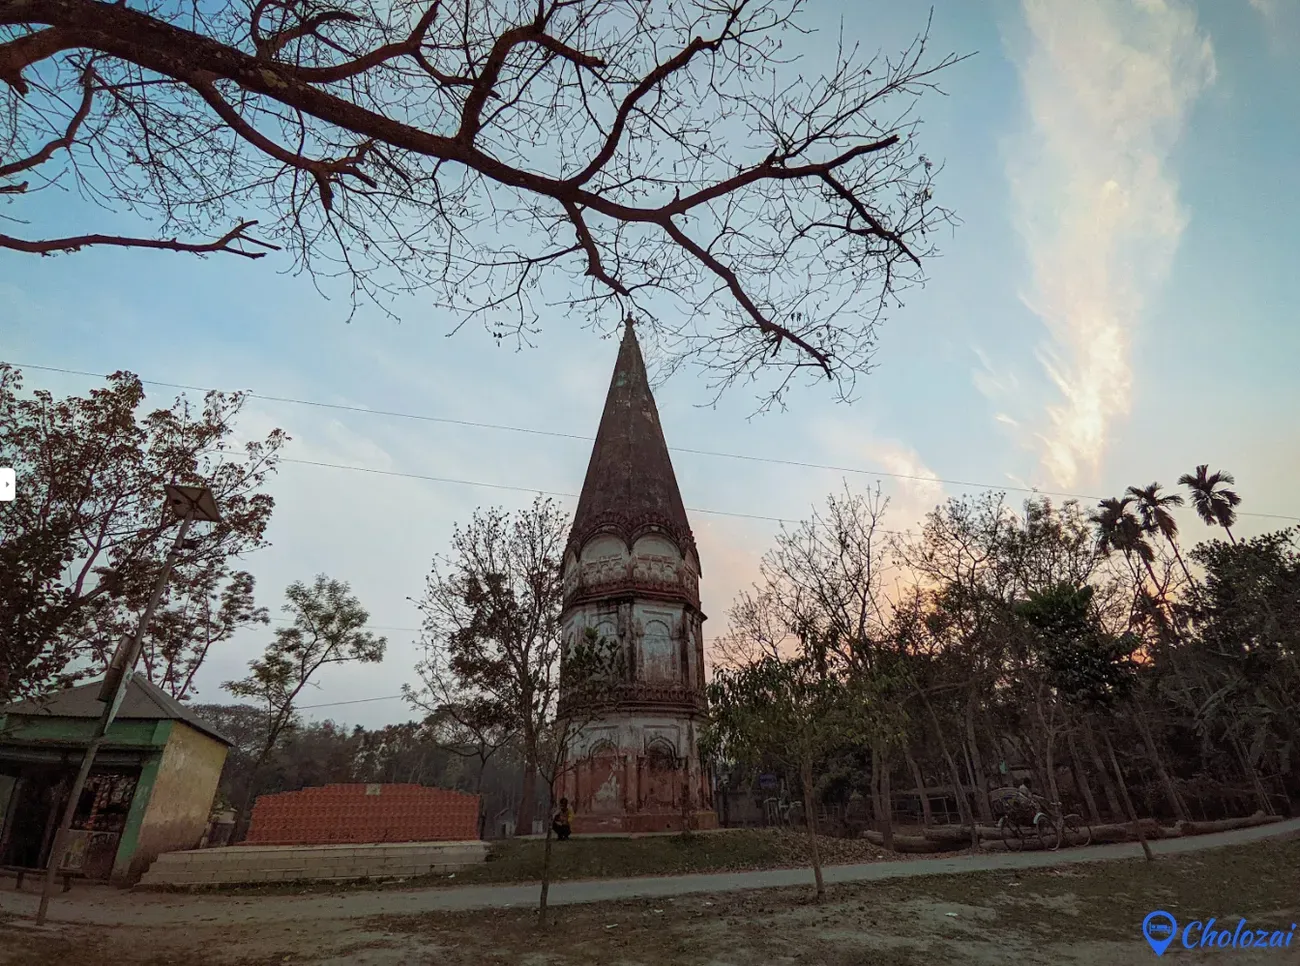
(1158, 762)
(810, 819)
(546, 878)
(977, 764)
(1081, 778)
(244, 817)
(880, 778)
(963, 806)
(1053, 786)
(1128, 802)
(877, 807)
(1107, 785)
(971, 781)
(927, 816)
(1252, 775)
(879, 804)
(527, 801)
(1049, 750)
(1182, 563)
(58, 802)
(1032, 756)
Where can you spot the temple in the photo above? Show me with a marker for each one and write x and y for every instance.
(632, 573)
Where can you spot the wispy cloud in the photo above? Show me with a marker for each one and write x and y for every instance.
(912, 498)
(1108, 85)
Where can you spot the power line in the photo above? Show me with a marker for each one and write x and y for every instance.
(336, 704)
(417, 630)
(529, 489)
(573, 436)
(776, 461)
(365, 627)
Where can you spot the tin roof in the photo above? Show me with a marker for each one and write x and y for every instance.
(144, 701)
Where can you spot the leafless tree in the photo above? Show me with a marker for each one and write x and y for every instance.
(462, 717)
(821, 586)
(671, 156)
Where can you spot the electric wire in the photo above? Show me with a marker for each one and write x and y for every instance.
(532, 431)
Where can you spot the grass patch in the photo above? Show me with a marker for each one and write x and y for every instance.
(519, 861)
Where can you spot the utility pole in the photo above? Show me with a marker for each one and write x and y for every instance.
(190, 503)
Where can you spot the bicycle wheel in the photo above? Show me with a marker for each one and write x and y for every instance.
(1077, 831)
(1048, 833)
(1012, 836)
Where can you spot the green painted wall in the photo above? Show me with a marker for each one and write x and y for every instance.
(26, 729)
(173, 797)
(127, 844)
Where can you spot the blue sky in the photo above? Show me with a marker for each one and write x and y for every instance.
(1116, 306)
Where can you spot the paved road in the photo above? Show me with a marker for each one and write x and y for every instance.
(105, 906)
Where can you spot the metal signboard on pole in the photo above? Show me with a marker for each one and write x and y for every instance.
(189, 503)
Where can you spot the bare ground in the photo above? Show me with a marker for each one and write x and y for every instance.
(1085, 914)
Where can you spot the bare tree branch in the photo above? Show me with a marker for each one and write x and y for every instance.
(758, 215)
(226, 243)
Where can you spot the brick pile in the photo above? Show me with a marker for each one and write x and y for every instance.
(363, 814)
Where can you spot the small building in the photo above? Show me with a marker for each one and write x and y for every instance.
(151, 789)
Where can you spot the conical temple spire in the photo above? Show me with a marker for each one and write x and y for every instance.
(630, 484)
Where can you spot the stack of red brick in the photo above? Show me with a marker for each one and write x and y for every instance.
(361, 814)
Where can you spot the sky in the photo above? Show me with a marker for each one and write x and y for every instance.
(1115, 306)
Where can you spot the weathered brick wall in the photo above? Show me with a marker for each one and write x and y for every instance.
(359, 814)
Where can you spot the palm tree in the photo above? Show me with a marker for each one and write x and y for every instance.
(1119, 529)
(1153, 511)
(1213, 501)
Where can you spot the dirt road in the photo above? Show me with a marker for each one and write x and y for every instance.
(1075, 911)
(104, 906)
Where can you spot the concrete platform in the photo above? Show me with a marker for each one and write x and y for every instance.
(247, 864)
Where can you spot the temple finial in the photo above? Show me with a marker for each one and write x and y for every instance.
(630, 476)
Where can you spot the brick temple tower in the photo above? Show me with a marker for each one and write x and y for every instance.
(632, 572)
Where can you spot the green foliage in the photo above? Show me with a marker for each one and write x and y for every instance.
(1120, 529)
(1249, 603)
(1212, 499)
(322, 752)
(778, 709)
(1153, 509)
(328, 628)
(1006, 639)
(81, 549)
(1086, 666)
(492, 619)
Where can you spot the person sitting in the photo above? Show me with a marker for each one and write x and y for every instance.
(562, 824)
